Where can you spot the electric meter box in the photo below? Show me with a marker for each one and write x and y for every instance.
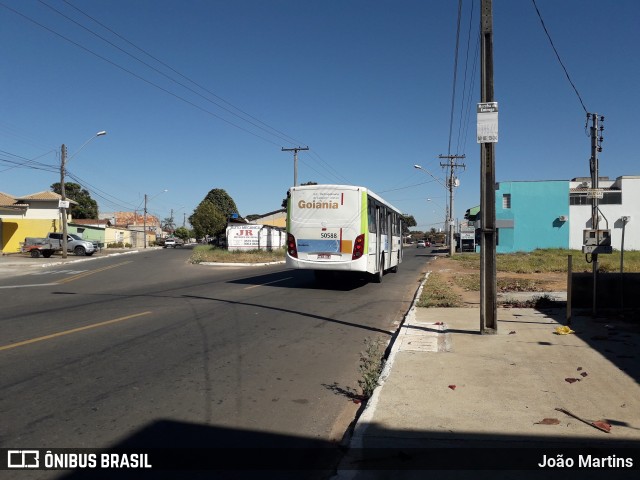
(596, 241)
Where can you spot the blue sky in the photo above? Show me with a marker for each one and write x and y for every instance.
(366, 84)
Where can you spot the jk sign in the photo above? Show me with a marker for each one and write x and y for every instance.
(487, 131)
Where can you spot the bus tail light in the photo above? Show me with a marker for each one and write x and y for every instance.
(358, 248)
(291, 246)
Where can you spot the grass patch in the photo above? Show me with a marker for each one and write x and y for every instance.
(437, 293)
(552, 260)
(370, 366)
(471, 283)
(208, 253)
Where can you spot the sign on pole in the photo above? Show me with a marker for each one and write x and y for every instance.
(487, 130)
(63, 203)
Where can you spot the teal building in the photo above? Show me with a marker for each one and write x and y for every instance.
(531, 215)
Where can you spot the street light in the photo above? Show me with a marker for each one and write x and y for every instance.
(144, 221)
(63, 198)
(437, 204)
(446, 210)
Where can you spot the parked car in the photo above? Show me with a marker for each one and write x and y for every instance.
(173, 242)
(421, 244)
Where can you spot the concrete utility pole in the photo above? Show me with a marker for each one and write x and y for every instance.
(488, 288)
(144, 222)
(63, 198)
(295, 161)
(595, 184)
(452, 165)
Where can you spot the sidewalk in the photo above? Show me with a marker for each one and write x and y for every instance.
(18, 263)
(446, 386)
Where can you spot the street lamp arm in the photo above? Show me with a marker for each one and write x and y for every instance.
(99, 134)
(431, 174)
(63, 209)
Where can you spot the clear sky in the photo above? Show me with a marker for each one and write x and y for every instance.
(366, 84)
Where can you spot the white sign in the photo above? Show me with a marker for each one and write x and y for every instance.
(487, 130)
(63, 203)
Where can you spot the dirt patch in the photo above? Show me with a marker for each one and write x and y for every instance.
(465, 282)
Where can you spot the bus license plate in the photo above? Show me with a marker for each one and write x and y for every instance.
(324, 256)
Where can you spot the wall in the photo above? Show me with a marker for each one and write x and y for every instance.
(533, 220)
(580, 216)
(14, 231)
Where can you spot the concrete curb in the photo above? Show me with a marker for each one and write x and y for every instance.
(366, 417)
(218, 264)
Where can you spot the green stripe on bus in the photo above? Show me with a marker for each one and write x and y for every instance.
(364, 221)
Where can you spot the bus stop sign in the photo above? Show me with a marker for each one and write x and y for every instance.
(487, 129)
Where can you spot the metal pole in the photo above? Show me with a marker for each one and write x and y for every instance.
(488, 287)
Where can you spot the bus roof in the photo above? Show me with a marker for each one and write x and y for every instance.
(346, 187)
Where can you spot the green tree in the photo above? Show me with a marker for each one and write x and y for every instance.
(87, 207)
(409, 221)
(168, 224)
(183, 233)
(222, 201)
(208, 220)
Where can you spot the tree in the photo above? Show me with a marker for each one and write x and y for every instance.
(211, 215)
(86, 206)
(409, 221)
(183, 233)
(222, 201)
(207, 220)
(168, 224)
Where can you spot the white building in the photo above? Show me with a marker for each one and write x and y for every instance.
(620, 198)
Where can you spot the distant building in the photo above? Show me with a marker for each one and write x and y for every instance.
(277, 218)
(554, 213)
(32, 215)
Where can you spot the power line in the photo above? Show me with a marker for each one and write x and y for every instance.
(267, 129)
(290, 139)
(455, 76)
(558, 56)
(280, 135)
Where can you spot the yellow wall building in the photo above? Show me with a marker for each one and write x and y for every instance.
(30, 216)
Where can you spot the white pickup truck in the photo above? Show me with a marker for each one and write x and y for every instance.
(52, 243)
(173, 242)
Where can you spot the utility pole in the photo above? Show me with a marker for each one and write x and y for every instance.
(488, 288)
(63, 208)
(452, 165)
(596, 140)
(295, 161)
(144, 222)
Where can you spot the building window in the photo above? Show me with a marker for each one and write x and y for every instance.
(506, 200)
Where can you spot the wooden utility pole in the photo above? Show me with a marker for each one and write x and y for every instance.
(63, 198)
(452, 165)
(488, 289)
(295, 161)
(144, 222)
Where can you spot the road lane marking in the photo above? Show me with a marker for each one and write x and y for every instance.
(268, 283)
(91, 272)
(73, 330)
(33, 285)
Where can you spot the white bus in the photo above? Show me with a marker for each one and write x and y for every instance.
(342, 228)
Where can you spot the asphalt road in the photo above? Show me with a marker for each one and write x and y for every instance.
(149, 350)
